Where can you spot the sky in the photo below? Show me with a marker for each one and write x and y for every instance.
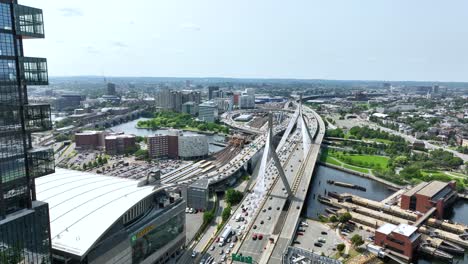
(421, 40)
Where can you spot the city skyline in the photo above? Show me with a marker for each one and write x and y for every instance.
(389, 40)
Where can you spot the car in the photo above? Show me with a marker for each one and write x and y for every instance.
(260, 237)
(269, 207)
(277, 208)
(269, 217)
(231, 245)
(228, 240)
(254, 226)
(271, 198)
(234, 239)
(322, 240)
(194, 254)
(264, 210)
(300, 233)
(254, 237)
(324, 233)
(212, 248)
(223, 258)
(217, 239)
(187, 210)
(221, 252)
(261, 222)
(317, 244)
(296, 242)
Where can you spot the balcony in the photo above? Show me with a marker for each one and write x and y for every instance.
(41, 162)
(34, 71)
(37, 117)
(29, 22)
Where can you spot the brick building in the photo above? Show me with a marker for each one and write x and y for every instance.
(120, 144)
(90, 139)
(402, 240)
(163, 146)
(427, 195)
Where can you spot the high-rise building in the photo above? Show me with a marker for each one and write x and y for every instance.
(208, 112)
(24, 221)
(211, 90)
(246, 101)
(190, 108)
(164, 146)
(111, 89)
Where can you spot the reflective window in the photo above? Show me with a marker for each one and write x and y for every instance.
(7, 71)
(5, 16)
(6, 45)
(153, 237)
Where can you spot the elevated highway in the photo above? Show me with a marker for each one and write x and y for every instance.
(275, 216)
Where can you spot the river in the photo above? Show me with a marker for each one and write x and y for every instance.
(130, 128)
(375, 191)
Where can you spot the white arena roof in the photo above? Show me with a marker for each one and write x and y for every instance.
(84, 205)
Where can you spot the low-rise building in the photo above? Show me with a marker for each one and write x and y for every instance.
(402, 239)
(90, 139)
(428, 195)
(100, 219)
(120, 144)
(192, 146)
(198, 194)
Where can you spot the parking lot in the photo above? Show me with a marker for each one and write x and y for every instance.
(308, 238)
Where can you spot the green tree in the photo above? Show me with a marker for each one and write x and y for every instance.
(208, 216)
(345, 217)
(233, 196)
(357, 240)
(340, 247)
(333, 219)
(226, 213)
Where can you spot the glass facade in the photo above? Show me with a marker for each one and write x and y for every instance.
(24, 222)
(154, 236)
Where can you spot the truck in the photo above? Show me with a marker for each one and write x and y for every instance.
(225, 235)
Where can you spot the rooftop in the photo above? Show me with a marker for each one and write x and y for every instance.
(431, 189)
(406, 230)
(202, 184)
(386, 228)
(415, 189)
(82, 206)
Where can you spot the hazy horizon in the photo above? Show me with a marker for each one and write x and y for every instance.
(391, 40)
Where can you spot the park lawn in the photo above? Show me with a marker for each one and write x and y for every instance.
(381, 161)
(354, 168)
(457, 174)
(328, 159)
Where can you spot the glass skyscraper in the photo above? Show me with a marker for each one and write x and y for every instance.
(24, 222)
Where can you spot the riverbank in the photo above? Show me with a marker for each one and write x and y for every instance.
(363, 175)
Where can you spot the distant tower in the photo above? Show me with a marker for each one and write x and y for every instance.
(211, 91)
(111, 89)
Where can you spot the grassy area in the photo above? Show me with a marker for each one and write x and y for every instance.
(329, 159)
(380, 140)
(457, 174)
(366, 161)
(432, 173)
(354, 168)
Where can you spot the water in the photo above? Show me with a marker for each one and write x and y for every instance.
(375, 190)
(130, 128)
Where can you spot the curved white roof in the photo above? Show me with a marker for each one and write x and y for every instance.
(84, 205)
